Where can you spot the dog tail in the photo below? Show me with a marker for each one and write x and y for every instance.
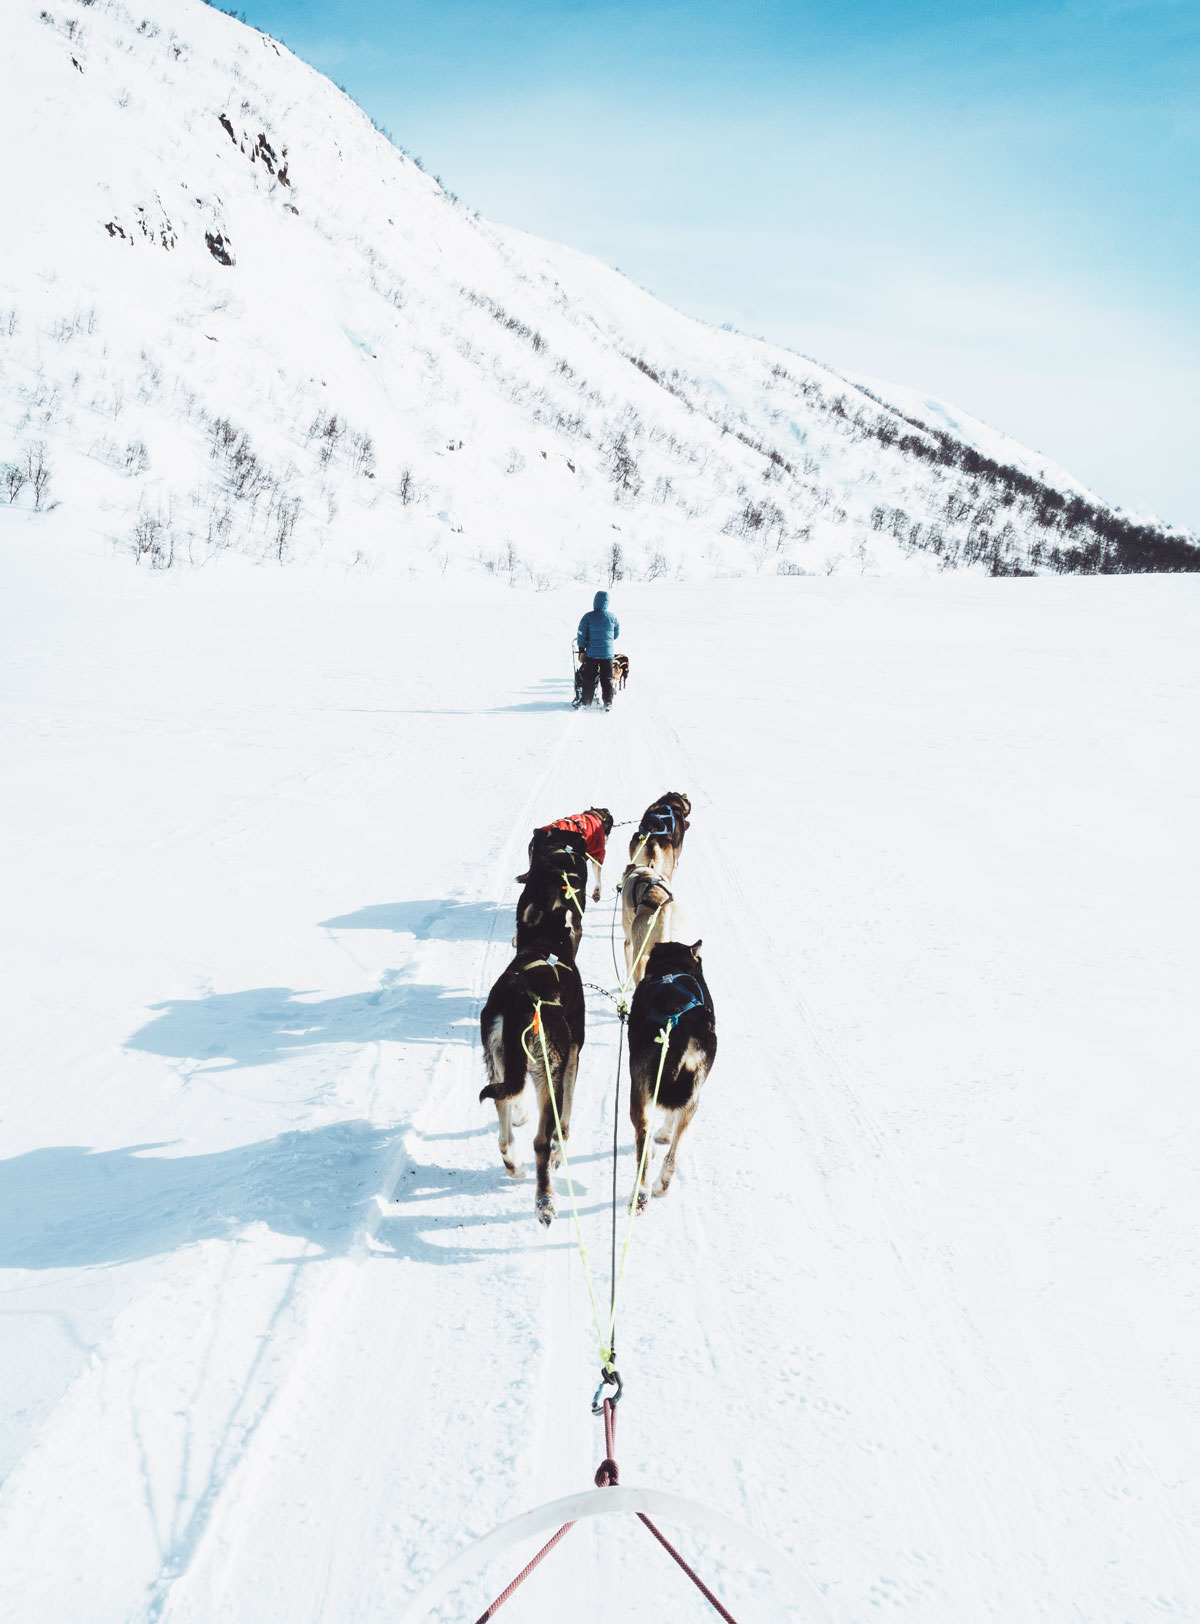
(515, 1062)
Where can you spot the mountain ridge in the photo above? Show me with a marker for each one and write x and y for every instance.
(242, 320)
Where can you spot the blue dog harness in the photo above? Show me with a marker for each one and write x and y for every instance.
(659, 821)
(671, 996)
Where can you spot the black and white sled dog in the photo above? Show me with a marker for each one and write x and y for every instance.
(673, 1003)
(659, 837)
(555, 886)
(535, 1014)
(546, 905)
(647, 912)
(561, 849)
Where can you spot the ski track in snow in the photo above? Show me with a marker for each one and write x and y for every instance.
(288, 1337)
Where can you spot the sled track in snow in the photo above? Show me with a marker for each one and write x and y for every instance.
(237, 1481)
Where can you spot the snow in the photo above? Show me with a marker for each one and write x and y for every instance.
(278, 1335)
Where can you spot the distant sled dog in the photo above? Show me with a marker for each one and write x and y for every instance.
(647, 911)
(659, 837)
(672, 1002)
(534, 1013)
(620, 675)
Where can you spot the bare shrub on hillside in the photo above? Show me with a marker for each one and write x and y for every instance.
(247, 476)
(37, 472)
(220, 526)
(153, 541)
(510, 323)
(756, 520)
(285, 511)
(69, 327)
(656, 567)
(362, 455)
(328, 429)
(616, 563)
(151, 378)
(406, 487)
(623, 467)
(137, 457)
(13, 476)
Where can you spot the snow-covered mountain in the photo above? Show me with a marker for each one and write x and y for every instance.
(235, 317)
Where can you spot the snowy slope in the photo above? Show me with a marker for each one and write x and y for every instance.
(234, 317)
(278, 1336)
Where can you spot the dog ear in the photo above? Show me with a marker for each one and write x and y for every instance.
(696, 946)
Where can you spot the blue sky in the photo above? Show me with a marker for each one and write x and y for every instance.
(996, 204)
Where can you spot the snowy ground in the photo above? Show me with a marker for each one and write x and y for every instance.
(278, 1337)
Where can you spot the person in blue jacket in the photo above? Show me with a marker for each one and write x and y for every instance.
(597, 631)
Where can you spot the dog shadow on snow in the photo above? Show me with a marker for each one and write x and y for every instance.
(442, 919)
(67, 1206)
(261, 1025)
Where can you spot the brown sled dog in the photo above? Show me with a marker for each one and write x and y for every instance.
(535, 1014)
(647, 907)
(672, 1004)
(659, 837)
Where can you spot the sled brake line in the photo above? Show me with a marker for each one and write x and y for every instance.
(537, 1027)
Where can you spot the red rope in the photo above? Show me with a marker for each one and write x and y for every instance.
(606, 1475)
(692, 1575)
(606, 1472)
(523, 1575)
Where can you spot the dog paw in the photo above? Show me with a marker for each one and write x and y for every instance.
(663, 1136)
(596, 894)
(545, 1210)
(515, 1170)
(660, 1188)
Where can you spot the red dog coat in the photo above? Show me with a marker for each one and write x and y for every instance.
(589, 826)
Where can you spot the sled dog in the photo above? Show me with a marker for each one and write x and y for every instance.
(620, 670)
(551, 901)
(534, 1014)
(563, 849)
(647, 910)
(593, 828)
(659, 836)
(672, 1003)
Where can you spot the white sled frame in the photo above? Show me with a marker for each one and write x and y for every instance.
(805, 1602)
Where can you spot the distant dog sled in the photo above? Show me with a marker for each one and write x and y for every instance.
(620, 667)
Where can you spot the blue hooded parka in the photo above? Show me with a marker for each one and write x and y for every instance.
(598, 629)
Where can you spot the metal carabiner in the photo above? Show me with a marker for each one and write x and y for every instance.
(610, 1378)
